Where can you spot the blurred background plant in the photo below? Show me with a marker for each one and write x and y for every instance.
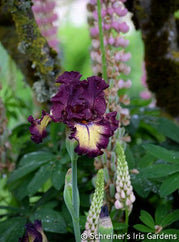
(34, 190)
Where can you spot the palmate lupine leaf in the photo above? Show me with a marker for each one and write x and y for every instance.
(170, 218)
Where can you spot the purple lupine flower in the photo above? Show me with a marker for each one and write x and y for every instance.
(34, 232)
(81, 105)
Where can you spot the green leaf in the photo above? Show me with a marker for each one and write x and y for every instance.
(141, 185)
(143, 228)
(21, 190)
(152, 131)
(168, 128)
(147, 219)
(64, 158)
(25, 169)
(162, 153)
(170, 218)
(11, 229)
(169, 185)
(41, 176)
(52, 221)
(58, 176)
(146, 160)
(174, 233)
(36, 157)
(130, 158)
(159, 170)
(160, 213)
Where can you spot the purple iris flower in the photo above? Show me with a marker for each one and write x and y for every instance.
(81, 105)
(34, 232)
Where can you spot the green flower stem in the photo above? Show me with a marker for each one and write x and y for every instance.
(103, 54)
(75, 201)
(126, 221)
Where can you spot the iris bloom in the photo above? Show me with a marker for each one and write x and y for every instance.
(34, 232)
(81, 105)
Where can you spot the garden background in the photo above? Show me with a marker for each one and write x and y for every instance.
(33, 175)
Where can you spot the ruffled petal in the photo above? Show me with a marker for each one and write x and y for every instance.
(38, 126)
(79, 100)
(69, 76)
(94, 93)
(93, 136)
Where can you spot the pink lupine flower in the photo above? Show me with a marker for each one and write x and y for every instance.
(113, 25)
(145, 95)
(45, 16)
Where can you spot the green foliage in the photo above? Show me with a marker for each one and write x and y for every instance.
(162, 219)
(52, 221)
(11, 229)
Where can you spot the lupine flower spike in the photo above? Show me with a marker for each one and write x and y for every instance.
(114, 27)
(45, 16)
(124, 191)
(91, 225)
(81, 105)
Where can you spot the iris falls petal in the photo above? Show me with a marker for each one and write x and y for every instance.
(38, 127)
(93, 136)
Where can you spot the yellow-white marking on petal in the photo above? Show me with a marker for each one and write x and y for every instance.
(89, 135)
(43, 124)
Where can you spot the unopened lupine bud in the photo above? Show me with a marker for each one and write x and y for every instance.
(105, 227)
(124, 191)
(91, 225)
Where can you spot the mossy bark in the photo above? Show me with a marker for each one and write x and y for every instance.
(159, 30)
(20, 36)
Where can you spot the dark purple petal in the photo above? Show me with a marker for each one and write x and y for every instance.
(31, 234)
(79, 100)
(24, 238)
(113, 122)
(38, 225)
(95, 95)
(59, 103)
(68, 77)
(38, 126)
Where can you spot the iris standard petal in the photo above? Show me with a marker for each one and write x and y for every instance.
(69, 76)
